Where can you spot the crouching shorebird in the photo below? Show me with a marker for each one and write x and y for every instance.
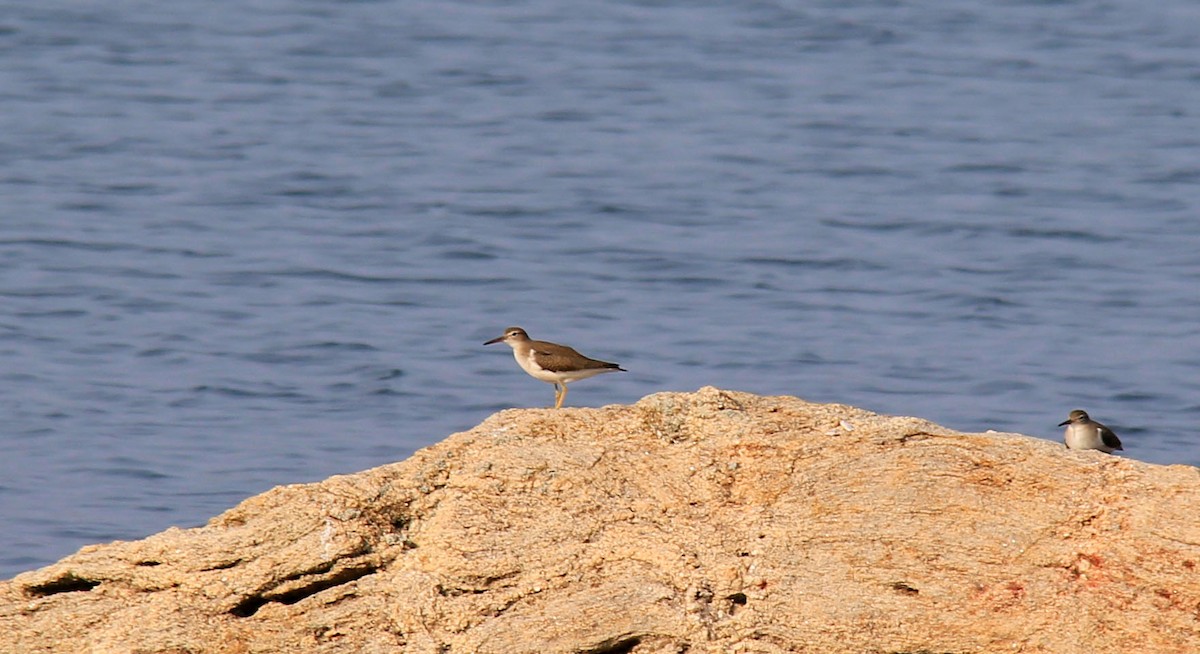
(552, 363)
(1083, 433)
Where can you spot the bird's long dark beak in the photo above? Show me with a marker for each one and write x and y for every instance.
(1065, 422)
(495, 340)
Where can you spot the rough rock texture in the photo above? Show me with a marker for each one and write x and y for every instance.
(712, 521)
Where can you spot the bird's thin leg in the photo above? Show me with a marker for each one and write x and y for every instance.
(563, 396)
(557, 393)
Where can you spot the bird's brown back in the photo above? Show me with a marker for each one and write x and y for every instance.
(560, 358)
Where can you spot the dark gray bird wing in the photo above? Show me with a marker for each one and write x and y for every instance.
(1110, 439)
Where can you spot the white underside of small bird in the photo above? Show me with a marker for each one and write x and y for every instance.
(530, 365)
(1085, 437)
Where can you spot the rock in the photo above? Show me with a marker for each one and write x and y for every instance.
(713, 521)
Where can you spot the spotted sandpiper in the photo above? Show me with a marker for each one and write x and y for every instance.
(1083, 433)
(552, 363)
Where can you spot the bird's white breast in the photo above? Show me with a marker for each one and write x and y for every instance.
(1083, 437)
(529, 364)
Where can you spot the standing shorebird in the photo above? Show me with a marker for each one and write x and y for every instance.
(1083, 433)
(552, 363)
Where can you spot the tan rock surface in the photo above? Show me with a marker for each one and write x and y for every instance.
(713, 521)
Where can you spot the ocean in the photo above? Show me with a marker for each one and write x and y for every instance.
(252, 244)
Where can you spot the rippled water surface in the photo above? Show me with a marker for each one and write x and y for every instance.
(248, 244)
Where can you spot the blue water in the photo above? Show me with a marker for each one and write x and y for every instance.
(249, 244)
